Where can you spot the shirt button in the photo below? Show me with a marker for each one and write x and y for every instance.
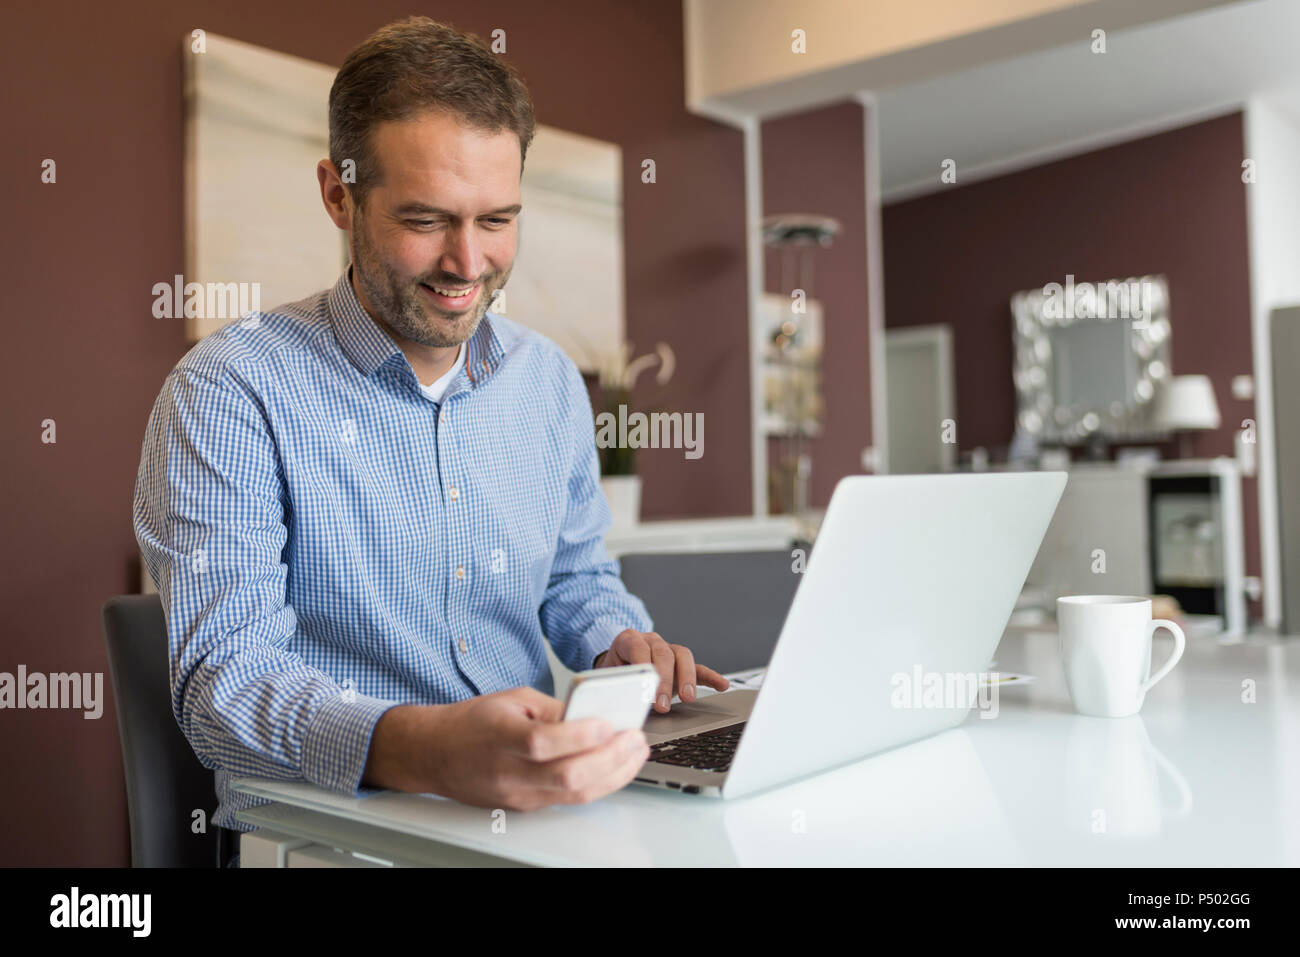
(454, 494)
(460, 572)
(463, 646)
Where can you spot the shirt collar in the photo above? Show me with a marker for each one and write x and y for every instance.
(360, 338)
(369, 347)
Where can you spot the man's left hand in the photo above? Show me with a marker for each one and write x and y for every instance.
(678, 672)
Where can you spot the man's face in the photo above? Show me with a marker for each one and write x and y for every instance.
(437, 235)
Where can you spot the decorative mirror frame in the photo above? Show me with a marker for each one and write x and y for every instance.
(1036, 313)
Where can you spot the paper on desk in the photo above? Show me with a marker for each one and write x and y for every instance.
(747, 679)
(1006, 678)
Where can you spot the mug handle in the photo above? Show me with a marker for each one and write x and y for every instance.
(1180, 643)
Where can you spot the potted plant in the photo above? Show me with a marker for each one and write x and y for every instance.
(617, 374)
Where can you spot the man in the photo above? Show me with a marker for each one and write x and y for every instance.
(366, 511)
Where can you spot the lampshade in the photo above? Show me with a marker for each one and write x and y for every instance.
(1187, 402)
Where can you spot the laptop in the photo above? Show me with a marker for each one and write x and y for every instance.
(912, 576)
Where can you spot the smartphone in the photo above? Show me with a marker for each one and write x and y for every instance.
(621, 695)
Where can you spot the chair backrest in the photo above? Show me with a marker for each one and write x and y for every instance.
(165, 783)
(727, 607)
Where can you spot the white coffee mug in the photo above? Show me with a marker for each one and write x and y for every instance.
(1106, 651)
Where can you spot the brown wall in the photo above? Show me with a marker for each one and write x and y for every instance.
(98, 89)
(1172, 203)
(814, 162)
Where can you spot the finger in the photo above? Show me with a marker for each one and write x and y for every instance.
(570, 773)
(685, 676)
(586, 777)
(711, 678)
(542, 741)
(665, 663)
(636, 651)
(624, 776)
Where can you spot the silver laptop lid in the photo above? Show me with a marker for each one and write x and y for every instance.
(911, 576)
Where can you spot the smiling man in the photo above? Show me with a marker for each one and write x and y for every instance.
(367, 512)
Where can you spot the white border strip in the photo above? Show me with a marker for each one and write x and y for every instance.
(875, 284)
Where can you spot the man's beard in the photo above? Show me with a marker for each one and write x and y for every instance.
(406, 308)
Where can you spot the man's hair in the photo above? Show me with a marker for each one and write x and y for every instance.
(414, 65)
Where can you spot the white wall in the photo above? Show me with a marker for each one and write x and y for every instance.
(1273, 222)
(739, 57)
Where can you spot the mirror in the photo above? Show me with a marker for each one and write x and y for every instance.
(1089, 359)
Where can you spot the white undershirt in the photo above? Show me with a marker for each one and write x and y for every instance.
(435, 390)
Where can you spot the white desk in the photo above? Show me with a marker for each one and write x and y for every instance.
(1199, 778)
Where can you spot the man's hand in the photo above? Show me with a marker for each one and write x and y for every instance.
(505, 750)
(678, 672)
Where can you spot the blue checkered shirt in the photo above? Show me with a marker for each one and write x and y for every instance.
(329, 542)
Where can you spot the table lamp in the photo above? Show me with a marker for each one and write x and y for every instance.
(1186, 404)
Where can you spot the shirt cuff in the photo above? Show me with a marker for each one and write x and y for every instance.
(337, 743)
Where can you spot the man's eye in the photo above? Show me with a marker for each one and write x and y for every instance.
(497, 220)
(420, 222)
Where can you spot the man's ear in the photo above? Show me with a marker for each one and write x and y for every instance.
(335, 196)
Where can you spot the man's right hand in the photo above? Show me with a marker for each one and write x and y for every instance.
(508, 750)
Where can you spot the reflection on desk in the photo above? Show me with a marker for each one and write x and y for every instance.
(1206, 775)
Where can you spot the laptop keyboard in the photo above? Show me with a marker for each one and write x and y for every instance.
(706, 751)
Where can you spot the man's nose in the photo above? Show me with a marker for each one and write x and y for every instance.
(463, 255)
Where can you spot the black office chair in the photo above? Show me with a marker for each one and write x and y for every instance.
(165, 783)
(727, 607)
